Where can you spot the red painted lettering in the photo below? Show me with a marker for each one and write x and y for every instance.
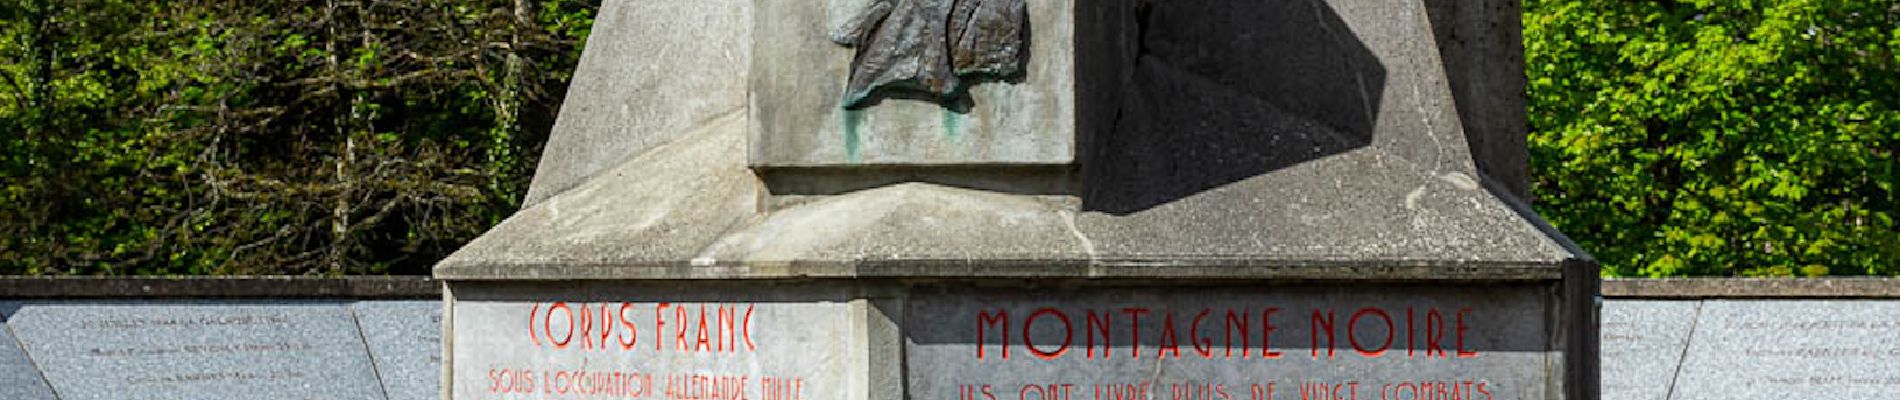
(1202, 345)
(1434, 331)
(659, 324)
(632, 334)
(985, 318)
(1322, 322)
(1168, 341)
(1098, 325)
(547, 324)
(1235, 320)
(1134, 318)
(1068, 334)
(1266, 334)
(1462, 353)
(1352, 331)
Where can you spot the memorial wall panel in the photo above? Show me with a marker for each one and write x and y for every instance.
(1833, 349)
(1643, 342)
(19, 378)
(197, 350)
(405, 341)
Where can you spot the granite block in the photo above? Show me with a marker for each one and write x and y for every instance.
(19, 378)
(706, 341)
(1813, 349)
(405, 342)
(1643, 343)
(197, 350)
(1367, 342)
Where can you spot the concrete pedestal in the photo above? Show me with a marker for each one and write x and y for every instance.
(1268, 200)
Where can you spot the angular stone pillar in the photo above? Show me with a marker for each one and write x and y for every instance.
(1176, 199)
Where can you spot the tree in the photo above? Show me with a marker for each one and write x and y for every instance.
(1751, 137)
(276, 136)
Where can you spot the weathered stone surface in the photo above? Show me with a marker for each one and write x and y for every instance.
(908, 221)
(405, 342)
(661, 69)
(19, 378)
(1088, 343)
(1643, 343)
(673, 202)
(655, 341)
(197, 350)
(1822, 349)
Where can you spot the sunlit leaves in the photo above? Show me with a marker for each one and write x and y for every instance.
(1718, 137)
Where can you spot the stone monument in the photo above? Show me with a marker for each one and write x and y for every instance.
(1031, 199)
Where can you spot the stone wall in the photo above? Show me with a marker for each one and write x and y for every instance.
(379, 338)
(1681, 339)
(219, 338)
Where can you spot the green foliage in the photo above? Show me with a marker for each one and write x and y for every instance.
(1710, 137)
(269, 136)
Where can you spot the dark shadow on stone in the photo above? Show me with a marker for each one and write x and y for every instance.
(1223, 91)
(1481, 43)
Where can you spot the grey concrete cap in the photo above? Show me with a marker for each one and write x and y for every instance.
(197, 350)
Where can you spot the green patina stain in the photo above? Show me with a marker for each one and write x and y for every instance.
(853, 122)
(953, 125)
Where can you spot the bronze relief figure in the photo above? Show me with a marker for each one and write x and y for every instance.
(932, 48)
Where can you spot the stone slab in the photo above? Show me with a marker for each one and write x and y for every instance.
(1820, 349)
(1107, 343)
(1643, 343)
(635, 341)
(19, 378)
(405, 342)
(197, 350)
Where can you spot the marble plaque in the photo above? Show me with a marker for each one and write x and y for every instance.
(1362, 342)
(197, 350)
(659, 343)
(405, 341)
(19, 379)
(1833, 349)
(1642, 345)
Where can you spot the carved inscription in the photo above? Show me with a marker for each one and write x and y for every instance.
(1216, 345)
(657, 350)
(1793, 349)
(198, 350)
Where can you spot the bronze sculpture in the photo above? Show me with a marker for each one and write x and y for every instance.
(932, 47)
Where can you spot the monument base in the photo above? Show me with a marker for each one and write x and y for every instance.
(1044, 337)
